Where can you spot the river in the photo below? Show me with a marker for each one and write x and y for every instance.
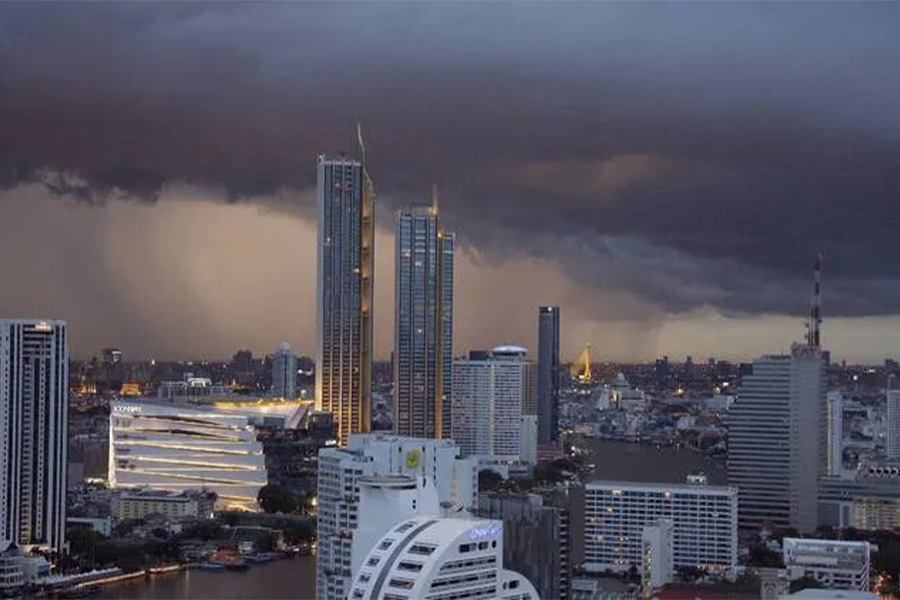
(283, 579)
(645, 463)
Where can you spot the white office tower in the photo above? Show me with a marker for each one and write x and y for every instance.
(408, 547)
(528, 439)
(423, 324)
(893, 423)
(344, 292)
(777, 443)
(703, 518)
(34, 387)
(176, 447)
(835, 431)
(488, 397)
(340, 472)
(835, 564)
(657, 556)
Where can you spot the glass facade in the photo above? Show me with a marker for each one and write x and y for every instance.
(344, 296)
(423, 339)
(548, 374)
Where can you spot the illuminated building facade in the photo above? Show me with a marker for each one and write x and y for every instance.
(166, 446)
(439, 558)
(34, 382)
(423, 336)
(489, 393)
(344, 294)
(703, 518)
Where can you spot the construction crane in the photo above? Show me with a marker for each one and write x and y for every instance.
(581, 368)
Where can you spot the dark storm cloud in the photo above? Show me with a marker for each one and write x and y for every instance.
(697, 154)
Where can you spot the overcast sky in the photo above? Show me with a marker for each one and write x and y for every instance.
(664, 172)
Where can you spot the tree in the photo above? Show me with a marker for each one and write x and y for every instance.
(760, 556)
(805, 582)
(277, 499)
(689, 574)
(633, 575)
(489, 480)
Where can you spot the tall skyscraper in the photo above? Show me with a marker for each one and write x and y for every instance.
(34, 387)
(778, 435)
(284, 373)
(777, 440)
(423, 334)
(548, 374)
(344, 297)
(488, 396)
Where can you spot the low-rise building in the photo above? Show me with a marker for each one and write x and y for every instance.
(137, 504)
(835, 564)
(101, 525)
(11, 577)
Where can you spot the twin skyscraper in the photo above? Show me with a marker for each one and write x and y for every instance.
(423, 319)
(423, 340)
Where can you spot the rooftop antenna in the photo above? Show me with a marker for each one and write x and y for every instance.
(813, 335)
(361, 146)
(434, 199)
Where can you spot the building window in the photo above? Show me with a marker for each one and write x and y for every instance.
(403, 584)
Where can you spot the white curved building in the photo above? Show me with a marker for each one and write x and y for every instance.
(176, 447)
(439, 558)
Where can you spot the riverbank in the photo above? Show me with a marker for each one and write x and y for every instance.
(281, 579)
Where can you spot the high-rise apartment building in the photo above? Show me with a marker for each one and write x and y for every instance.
(34, 388)
(777, 442)
(893, 423)
(703, 518)
(284, 373)
(423, 334)
(344, 295)
(548, 374)
(339, 481)
(488, 397)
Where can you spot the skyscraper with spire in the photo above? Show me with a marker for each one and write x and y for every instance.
(344, 294)
(777, 433)
(423, 336)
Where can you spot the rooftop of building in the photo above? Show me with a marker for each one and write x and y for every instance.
(826, 594)
(815, 543)
(153, 494)
(675, 487)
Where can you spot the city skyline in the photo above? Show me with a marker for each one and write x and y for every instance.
(664, 213)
